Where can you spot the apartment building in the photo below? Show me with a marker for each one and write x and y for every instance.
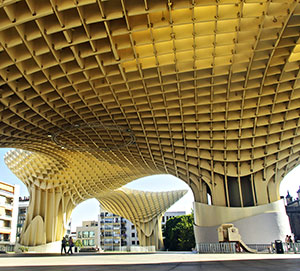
(132, 238)
(112, 231)
(22, 212)
(116, 232)
(169, 215)
(9, 198)
(88, 234)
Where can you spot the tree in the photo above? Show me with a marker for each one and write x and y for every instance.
(179, 233)
(78, 243)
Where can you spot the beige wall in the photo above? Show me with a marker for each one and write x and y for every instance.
(257, 225)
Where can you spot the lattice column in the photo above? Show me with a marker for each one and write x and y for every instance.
(143, 209)
(48, 213)
(150, 233)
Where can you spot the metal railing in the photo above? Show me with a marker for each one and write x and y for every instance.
(288, 247)
(6, 247)
(260, 248)
(138, 249)
(216, 247)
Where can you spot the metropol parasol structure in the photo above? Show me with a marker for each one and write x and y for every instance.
(97, 93)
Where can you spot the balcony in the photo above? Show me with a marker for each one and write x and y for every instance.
(5, 229)
(5, 242)
(6, 205)
(6, 217)
(6, 194)
(108, 229)
(106, 244)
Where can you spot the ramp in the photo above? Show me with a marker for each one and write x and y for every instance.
(246, 248)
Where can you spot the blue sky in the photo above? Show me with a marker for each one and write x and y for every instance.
(89, 209)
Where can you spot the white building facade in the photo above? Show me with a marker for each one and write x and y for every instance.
(22, 212)
(88, 234)
(169, 215)
(112, 231)
(116, 232)
(9, 199)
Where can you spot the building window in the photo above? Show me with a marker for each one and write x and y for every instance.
(79, 234)
(85, 234)
(108, 240)
(85, 242)
(132, 227)
(133, 242)
(163, 219)
(132, 234)
(91, 234)
(108, 227)
(138, 242)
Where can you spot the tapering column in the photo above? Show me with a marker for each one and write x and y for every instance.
(48, 213)
(143, 209)
(247, 203)
(150, 233)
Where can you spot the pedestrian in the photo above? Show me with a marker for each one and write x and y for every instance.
(63, 245)
(287, 242)
(237, 247)
(71, 244)
(290, 242)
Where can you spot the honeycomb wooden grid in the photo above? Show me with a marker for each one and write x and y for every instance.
(210, 90)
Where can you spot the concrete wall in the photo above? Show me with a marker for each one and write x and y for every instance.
(257, 225)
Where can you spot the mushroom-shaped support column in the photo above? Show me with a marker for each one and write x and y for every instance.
(143, 209)
(51, 202)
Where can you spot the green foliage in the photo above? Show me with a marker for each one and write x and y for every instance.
(78, 243)
(23, 249)
(179, 233)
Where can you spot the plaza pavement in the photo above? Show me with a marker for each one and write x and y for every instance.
(161, 261)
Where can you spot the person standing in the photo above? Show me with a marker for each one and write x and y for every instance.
(287, 242)
(291, 243)
(71, 244)
(63, 245)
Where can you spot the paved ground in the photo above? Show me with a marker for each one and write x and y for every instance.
(147, 262)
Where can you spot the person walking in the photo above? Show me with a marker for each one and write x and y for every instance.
(63, 245)
(71, 244)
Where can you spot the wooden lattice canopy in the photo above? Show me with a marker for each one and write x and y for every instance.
(203, 90)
